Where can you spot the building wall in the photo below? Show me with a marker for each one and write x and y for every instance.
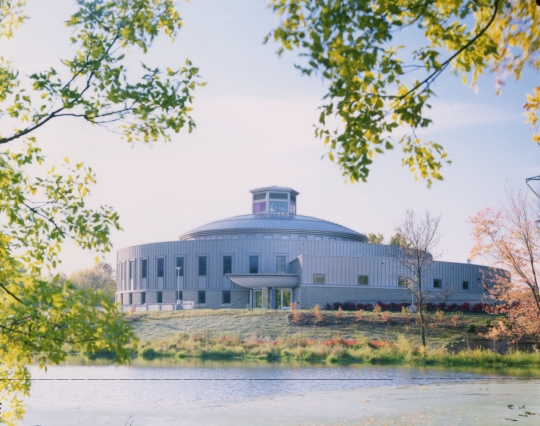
(341, 262)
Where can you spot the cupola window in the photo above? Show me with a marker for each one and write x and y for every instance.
(278, 206)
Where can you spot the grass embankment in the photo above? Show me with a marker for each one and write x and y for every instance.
(337, 337)
(330, 351)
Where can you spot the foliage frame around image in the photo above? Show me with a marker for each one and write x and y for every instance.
(378, 89)
(42, 319)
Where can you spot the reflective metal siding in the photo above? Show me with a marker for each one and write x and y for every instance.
(274, 222)
(341, 262)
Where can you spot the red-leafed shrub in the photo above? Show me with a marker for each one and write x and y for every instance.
(376, 344)
(480, 307)
(465, 307)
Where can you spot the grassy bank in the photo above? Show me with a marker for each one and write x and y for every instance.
(359, 350)
(374, 338)
(275, 325)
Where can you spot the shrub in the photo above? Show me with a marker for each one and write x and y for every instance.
(385, 316)
(359, 315)
(328, 306)
(317, 312)
(377, 308)
(471, 328)
(465, 307)
(349, 306)
(295, 312)
(339, 313)
(148, 353)
(405, 310)
(440, 315)
(338, 305)
(455, 319)
(480, 307)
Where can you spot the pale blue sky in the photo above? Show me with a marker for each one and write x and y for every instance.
(254, 128)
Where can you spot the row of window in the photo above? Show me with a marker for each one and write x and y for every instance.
(402, 281)
(267, 237)
(202, 266)
(201, 297)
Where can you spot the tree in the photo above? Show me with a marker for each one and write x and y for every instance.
(508, 237)
(41, 208)
(398, 240)
(376, 86)
(416, 259)
(100, 277)
(376, 238)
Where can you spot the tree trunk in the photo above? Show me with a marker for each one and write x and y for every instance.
(421, 310)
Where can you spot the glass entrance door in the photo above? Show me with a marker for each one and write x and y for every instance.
(260, 298)
(284, 298)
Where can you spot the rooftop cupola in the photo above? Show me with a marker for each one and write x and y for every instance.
(274, 199)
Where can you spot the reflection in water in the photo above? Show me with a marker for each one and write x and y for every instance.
(184, 381)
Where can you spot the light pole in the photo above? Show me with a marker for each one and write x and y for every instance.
(178, 269)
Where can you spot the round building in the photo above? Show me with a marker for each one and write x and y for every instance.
(273, 257)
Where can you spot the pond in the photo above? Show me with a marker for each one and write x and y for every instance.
(151, 388)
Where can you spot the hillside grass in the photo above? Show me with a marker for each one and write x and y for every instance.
(376, 338)
(275, 325)
(360, 350)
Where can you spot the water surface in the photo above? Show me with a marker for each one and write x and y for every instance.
(185, 381)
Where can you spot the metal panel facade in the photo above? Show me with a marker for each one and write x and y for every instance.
(340, 262)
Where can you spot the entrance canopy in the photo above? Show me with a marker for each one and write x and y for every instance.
(264, 280)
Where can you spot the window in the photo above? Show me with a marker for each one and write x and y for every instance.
(227, 265)
(293, 198)
(302, 237)
(281, 265)
(465, 285)
(278, 196)
(160, 267)
(261, 196)
(178, 295)
(363, 280)
(284, 298)
(318, 278)
(130, 301)
(226, 297)
(292, 208)
(332, 239)
(253, 264)
(143, 298)
(259, 207)
(131, 270)
(179, 266)
(201, 297)
(267, 237)
(159, 297)
(402, 281)
(202, 266)
(251, 236)
(285, 237)
(278, 206)
(318, 238)
(437, 283)
(144, 268)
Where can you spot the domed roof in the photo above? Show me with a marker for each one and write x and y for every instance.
(274, 223)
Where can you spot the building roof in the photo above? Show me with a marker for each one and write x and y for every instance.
(274, 223)
(274, 188)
